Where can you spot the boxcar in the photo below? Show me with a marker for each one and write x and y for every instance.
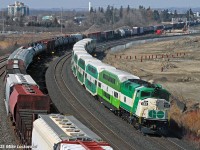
(57, 132)
(27, 97)
(13, 79)
(95, 36)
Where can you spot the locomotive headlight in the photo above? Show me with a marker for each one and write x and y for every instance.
(144, 103)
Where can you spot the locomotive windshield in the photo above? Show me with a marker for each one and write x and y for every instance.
(145, 94)
(161, 93)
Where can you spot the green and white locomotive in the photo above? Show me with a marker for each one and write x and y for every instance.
(141, 103)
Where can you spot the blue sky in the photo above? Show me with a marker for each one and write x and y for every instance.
(103, 3)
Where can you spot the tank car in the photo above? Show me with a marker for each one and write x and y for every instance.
(77, 37)
(24, 54)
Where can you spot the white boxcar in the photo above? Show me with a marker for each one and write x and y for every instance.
(13, 79)
(50, 130)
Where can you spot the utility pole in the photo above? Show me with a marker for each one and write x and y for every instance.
(113, 20)
(61, 20)
(3, 22)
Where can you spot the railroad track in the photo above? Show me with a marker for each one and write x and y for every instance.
(3, 66)
(2, 70)
(3, 59)
(168, 144)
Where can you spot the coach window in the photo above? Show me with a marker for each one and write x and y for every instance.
(124, 99)
(99, 84)
(86, 75)
(116, 94)
(95, 82)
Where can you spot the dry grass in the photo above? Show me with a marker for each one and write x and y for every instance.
(9, 43)
(189, 120)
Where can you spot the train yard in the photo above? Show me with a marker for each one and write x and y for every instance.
(70, 98)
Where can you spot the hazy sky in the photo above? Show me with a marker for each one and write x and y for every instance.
(103, 3)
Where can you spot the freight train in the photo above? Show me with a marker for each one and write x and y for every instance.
(138, 101)
(24, 100)
(123, 32)
(28, 107)
(141, 103)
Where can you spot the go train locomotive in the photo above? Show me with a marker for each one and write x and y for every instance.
(141, 103)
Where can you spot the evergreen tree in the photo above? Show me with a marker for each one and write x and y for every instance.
(108, 14)
(156, 15)
(121, 12)
(91, 10)
(165, 15)
(190, 14)
(102, 10)
(128, 9)
(175, 14)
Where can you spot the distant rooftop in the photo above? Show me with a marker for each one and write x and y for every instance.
(17, 4)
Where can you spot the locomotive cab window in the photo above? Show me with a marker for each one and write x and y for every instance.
(145, 94)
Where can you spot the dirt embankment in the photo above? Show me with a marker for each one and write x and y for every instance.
(175, 64)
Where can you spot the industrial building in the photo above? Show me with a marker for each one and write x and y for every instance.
(18, 9)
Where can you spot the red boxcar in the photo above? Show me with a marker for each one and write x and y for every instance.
(50, 43)
(95, 35)
(27, 97)
(89, 145)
